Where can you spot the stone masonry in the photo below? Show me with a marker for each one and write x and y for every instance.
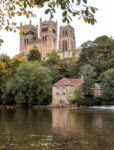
(47, 41)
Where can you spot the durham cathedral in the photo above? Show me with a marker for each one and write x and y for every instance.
(47, 39)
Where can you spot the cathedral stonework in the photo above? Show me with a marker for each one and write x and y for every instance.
(47, 41)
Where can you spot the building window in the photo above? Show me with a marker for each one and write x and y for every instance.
(54, 31)
(66, 33)
(44, 29)
(65, 46)
(44, 38)
(63, 32)
(25, 41)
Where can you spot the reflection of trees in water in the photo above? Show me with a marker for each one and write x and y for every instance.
(83, 129)
(22, 126)
(56, 129)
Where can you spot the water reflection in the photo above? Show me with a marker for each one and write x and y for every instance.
(64, 123)
(56, 129)
(86, 129)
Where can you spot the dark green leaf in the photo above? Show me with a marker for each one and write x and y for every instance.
(85, 1)
(64, 13)
(93, 10)
(47, 11)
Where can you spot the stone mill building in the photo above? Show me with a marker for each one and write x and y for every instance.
(47, 39)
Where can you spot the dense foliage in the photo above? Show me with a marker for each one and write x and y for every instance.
(33, 55)
(96, 63)
(107, 86)
(29, 81)
(30, 85)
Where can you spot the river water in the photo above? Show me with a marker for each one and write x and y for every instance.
(57, 129)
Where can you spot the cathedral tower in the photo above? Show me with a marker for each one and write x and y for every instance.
(66, 38)
(46, 40)
(28, 34)
(48, 35)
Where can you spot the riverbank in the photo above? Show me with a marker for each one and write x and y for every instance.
(37, 106)
(8, 106)
(56, 107)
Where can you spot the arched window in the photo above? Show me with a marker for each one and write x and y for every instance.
(65, 47)
(24, 41)
(66, 33)
(65, 44)
(63, 32)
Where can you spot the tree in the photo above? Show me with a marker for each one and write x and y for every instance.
(107, 86)
(53, 63)
(3, 74)
(33, 55)
(78, 96)
(53, 58)
(89, 74)
(10, 8)
(14, 63)
(4, 58)
(60, 68)
(71, 65)
(30, 85)
(98, 53)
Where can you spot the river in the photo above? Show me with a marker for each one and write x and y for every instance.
(57, 129)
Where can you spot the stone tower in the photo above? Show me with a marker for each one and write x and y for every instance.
(66, 38)
(46, 40)
(48, 35)
(28, 34)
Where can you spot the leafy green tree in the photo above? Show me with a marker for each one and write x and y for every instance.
(4, 58)
(98, 53)
(66, 68)
(53, 58)
(10, 8)
(53, 63)
(14, 63)
(30, 85)
(107, 86)
(78, 96)
(61, 68)
(3, 74)
(34, 54)
(23, 7)
(71, 65)
(89, 74)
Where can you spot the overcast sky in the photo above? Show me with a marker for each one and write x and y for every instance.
(83, 31)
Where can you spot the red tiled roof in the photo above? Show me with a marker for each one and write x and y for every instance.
(68, 81)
